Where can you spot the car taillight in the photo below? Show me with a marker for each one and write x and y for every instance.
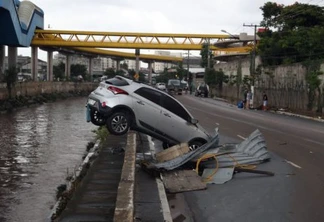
(116, 90)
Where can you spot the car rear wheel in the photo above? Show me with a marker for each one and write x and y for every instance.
(96, 118)
(118, 123)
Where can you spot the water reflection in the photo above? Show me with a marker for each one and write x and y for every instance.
(38, 146)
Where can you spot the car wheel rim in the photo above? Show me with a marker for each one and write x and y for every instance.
(119, 124)
(193, 147)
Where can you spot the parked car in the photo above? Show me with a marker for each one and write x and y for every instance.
(122, 104)
(160, 85)
(202, 90)
(174, 86)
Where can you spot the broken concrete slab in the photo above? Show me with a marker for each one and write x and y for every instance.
(177, 181)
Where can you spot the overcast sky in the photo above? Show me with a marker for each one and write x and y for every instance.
(155, 16)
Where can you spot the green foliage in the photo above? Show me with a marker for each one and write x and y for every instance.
(205, 55)
(110, 72)
(293, 33)
(213, 77)
(10, 77)
(59, 71)
(312, 73)
(101, 133)
(124, 66)
(78, 69)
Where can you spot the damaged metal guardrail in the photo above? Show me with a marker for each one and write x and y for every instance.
(217, 163)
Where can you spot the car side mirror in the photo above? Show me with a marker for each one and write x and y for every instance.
(194, 121)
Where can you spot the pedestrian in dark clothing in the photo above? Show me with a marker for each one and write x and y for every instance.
(244, 99)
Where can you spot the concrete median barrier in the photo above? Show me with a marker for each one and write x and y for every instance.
(124, 210)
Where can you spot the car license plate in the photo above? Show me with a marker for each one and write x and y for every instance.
(91, 102)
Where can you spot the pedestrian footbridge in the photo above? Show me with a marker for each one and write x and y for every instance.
(22, 25)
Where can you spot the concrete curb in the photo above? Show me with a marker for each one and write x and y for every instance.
(300, 116)
(70, 187)
(124, 210)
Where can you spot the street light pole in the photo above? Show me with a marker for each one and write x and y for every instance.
(233, 36)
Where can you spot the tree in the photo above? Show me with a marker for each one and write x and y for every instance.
(206, 55)
(78, 69)
(293, 33)
(10, 77)
(59, 71)
(110, 72)
(124, 66)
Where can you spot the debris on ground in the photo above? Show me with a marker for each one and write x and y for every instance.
(183, 170)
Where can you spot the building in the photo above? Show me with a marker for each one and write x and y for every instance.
(160, 66)
(24, 65)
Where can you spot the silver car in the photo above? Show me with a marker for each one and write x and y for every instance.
(122, 104)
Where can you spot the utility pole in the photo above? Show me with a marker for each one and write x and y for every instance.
(252, 71)
(188, 67)
(254, 51)
(208, 56)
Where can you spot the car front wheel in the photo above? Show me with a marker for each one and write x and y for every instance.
(195, 145)
(118, 123)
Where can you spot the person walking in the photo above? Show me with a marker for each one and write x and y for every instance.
(265, 101)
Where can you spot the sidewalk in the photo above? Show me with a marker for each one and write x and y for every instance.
(281, 112)
(114, 189)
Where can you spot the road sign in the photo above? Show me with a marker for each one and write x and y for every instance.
(136, 76)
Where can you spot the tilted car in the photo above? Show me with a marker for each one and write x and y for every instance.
(122, 104)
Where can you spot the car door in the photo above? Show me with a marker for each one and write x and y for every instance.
(147, 108)
(176, 120)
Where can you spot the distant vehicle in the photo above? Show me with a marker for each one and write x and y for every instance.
(174, 86)
(103, 78)
(122, 104)
(160, 85)
(185, 85)
(202, 90)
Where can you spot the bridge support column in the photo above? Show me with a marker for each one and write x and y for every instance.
(2, 59)
(118, 65)
(12, 56)
(91, 68)
(68, 67)
(137, 64)
(49, 65)
(34, 63)
(150, 73)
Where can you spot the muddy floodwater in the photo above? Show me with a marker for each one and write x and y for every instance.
(39, 147)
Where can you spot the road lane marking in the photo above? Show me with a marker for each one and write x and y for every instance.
(243, 138)
(293, 164)
(161, 190)
(164, 201)
(217, 124)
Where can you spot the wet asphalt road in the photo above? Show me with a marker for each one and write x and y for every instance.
(296, 145)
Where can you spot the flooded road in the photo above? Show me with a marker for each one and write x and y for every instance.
(39, 147)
